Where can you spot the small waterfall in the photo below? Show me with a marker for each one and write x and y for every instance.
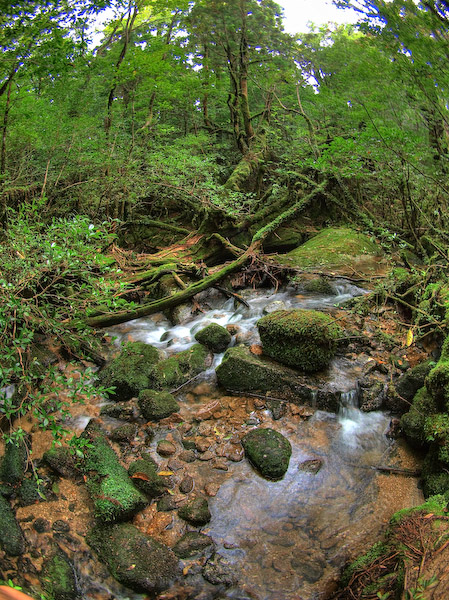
(360, 429)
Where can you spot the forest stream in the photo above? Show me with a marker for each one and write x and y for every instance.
(272, 540)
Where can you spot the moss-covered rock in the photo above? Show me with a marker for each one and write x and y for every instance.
(242, 371)
(114, 495)
(58, 577)
(335, 248)
(123, 434)
(319, 285)
(269, 451)
(11, 536)
(179, 368)
(413, 379)
(13, 463)
(30, 492)
(196, 511)
(144, 473)
(413, 423)
(192, 543)
(302, 339)
(215, 337)
(136, 560)
(157, 405)
(131, 371)
(62, 462)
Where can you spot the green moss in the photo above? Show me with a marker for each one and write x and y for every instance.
(157, 405)
(196, 511)
(29, 492)
(13, 463)
(62, 461)
(58, 577)
(11, 537)
(319, 285)
(132, 371)
(144, 475)
(179, 368)
(331, 248)
(302, 339)
(269, 451)
(136, 560)
(114, 495)
(413, 423)
(436, 504)
(215, 337)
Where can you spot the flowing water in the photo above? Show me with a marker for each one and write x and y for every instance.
(284, 540)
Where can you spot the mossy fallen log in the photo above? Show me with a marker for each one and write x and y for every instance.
(110, 319)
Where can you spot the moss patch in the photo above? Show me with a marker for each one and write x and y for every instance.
(11, 537)
(144, 475)
(132, 371)
(179, 368)
(109, 485)
(157, 405)
(58, 577)
(195, 512)
(13, 464)
(413, 422)
(269, 451)
(215, 337)
(333, 248)
(302, 339)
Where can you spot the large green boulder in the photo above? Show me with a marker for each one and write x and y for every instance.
(179, 368)
(131, 371)
(335, 249)
(242, 371)
(155, 405)
(135, 559)
(215, 337)
(269, 451)
(11, 536)
(302, 339)
(113, 493)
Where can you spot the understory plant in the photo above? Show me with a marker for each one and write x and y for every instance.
(51, 273)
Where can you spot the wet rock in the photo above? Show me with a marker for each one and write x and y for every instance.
(311, 571)
(233, 452)
(233, 329)
(61, 526)
(196, 511)
(123, 434)
(167, 503)
(407, 386)
(372, 394)
(203, 444)
(269, 451)
(112, 491)
(242, 371)
(187, 484)
(175, 465)
(211, 489)
(215, 337)
(181, 313)
(192, 543)
(132, 371)
(187, 456)
(278, 409)
(220, 464)
(165, 448)
(136, 560)
(144, 474)
(59, 578)
(126, 411)
(181, 367)
(206, 412)
(218, 570)
(319, 285)
(11, 536)
(302, 339)
(312, 465)
(157, 405)
(62, 462)
(273, 306)
(41, 525)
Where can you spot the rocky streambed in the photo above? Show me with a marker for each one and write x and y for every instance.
(205, 523)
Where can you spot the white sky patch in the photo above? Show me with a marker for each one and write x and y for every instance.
(299, 13)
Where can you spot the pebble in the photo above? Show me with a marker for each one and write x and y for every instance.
(187, 456)
(208, 455)
(187, 485)
(211, 489)
(165, 448)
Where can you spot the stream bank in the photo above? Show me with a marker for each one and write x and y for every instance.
(271, 540)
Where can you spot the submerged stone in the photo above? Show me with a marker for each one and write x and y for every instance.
(192, 543)
(196, 512)
(132, 371)
(269, 451)
(135, 559)
(302, 339)
(215, 337)
(59, 578)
